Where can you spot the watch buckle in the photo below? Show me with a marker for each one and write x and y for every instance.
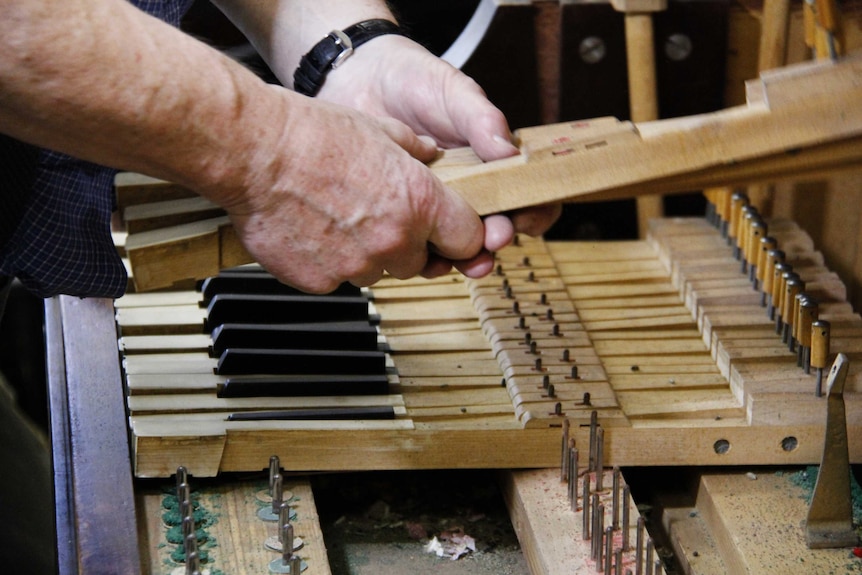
(343, 41)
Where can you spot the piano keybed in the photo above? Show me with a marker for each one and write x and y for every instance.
(664, 339)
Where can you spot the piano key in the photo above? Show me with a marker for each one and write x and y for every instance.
(305, 385)
(302, 361)
(355, 335)
(254, 280)
(341, 413)
(234, 308)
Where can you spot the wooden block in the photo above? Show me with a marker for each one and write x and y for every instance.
(549, 531)
(237, 537)
(757, 520)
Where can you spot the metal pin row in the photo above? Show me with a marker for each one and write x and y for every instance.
(795, 312)
(186, 510)
(279, 511)
(607, 558)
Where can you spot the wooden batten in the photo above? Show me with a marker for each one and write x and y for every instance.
(772, 137)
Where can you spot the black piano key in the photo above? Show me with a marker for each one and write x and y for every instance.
(259, 282)
(234, 308)
(300, 362)
(304, 385)
(316, 414)
(353, 335)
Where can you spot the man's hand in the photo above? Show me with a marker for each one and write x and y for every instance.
(346, 197)
(392, 76)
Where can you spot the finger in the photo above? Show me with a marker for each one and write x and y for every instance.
(476, 267)
(499, 232)
(458, 233)
(436, 266)
(482, 124)
(422, 149)
(366, 279)
(536, 221)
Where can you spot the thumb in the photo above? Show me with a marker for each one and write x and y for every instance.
(458, 233)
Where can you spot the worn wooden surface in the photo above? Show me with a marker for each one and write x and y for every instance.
(236, 536)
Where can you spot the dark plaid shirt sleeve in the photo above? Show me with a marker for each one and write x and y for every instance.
(55, 211)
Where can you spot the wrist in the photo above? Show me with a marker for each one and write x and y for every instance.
(334, 49)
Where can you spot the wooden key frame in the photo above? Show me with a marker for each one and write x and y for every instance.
(799, 121)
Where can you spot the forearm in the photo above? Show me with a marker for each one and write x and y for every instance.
(102, 81)
(283, 30)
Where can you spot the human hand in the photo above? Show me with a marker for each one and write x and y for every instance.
(392, 76)
(344, 197)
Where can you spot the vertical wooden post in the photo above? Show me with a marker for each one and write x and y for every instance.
(643, 97)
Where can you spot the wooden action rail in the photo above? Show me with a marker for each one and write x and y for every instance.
(663, 339)
(799, 121)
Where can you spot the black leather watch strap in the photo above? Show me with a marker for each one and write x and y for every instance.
(336, 47)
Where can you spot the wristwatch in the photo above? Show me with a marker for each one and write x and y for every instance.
(334, 49)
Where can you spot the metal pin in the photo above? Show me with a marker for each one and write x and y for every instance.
(565, 447)
(573, 478)
(549, 315)
(594, 419)
(639, 546)
(193, 562)
(615, 506)
(286, 542)
(522, 323)
(658, 568)
(574, 375)
(626, 518)
(573, 473)
(190, 546)
(546, 381)
(505, 285)
(534, 347)
(277, 492)
(618, 562)
(585, 518)
(526, 261)
(283, 515)
(543, 299)
(516, 307)
(528, 338)
(558, 407)
(184, 492)
(820, 343)
(566, 355)
(187, 512)
(271, 513)
(600, 458)
(295, 565)
(509, 294)
(552, 392)
(188, 526)
(538, 365)
(274, 469)
(586, 399)
(609, 549)
(594, 529)
(531, 277)
(598, 532)
(182, 476)
(648, 558)
(556, 330)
